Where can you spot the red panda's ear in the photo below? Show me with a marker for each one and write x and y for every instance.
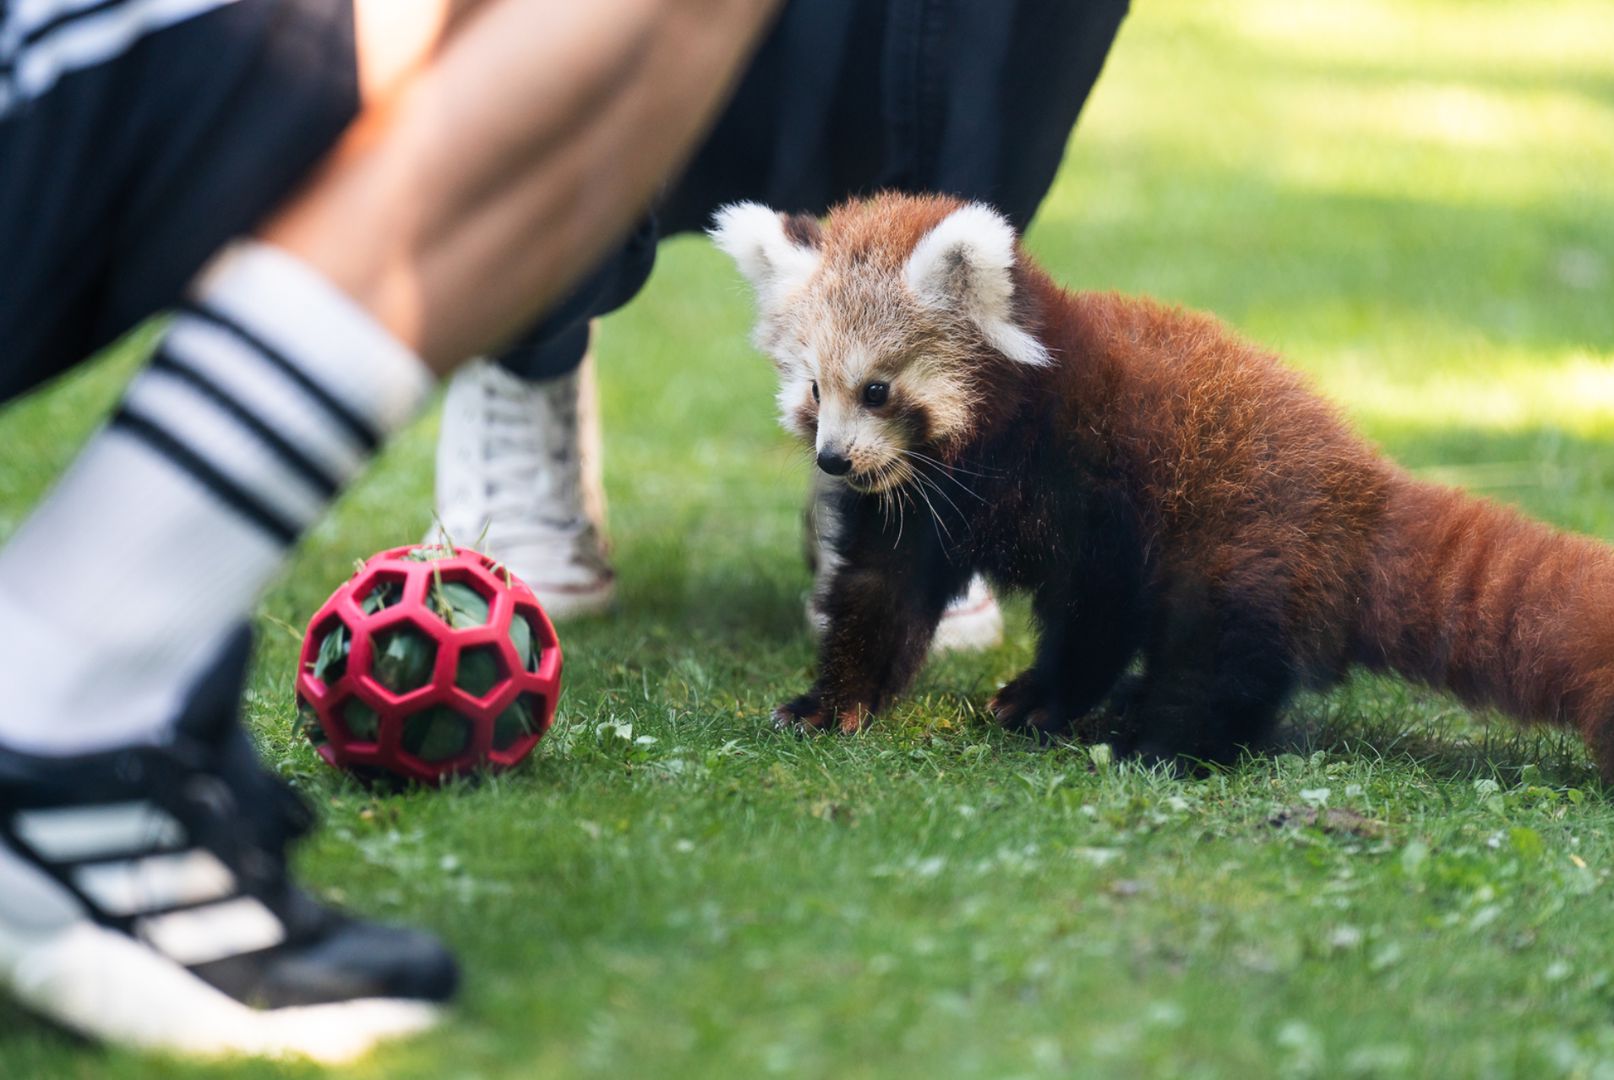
(966, 264)
(776, 253)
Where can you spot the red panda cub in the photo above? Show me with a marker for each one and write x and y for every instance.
(1160, 487)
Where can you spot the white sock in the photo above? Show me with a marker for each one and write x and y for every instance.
(269, 392)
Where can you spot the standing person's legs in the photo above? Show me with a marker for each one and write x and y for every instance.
(143, 887)
(518, 475)
(518, 451)
(845, 98)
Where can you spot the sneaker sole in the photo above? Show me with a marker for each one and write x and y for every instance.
(558, 601)
(105, 985)
(575, 601)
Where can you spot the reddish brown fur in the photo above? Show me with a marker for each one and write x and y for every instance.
(1243, 469)
(1172, 486)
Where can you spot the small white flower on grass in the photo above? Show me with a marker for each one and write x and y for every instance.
(1098, 856)
(1304, 1044)
(1345, 937)
(1386, 956)
(1379, 1059)
(1164, 1014)
(1315, 796)
(1045, 1051)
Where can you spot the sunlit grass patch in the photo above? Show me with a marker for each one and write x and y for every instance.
(1506, 392)
(1547, 39)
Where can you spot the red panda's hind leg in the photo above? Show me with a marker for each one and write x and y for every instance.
(1216, 676)
(1025, 704)
(1084, 645)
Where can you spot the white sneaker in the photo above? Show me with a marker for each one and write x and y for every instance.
(971, 623)
(146, 900)
(518, 479)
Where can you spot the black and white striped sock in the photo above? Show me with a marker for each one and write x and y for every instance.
(267, 395)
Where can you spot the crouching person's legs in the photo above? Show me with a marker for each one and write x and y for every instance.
(144, 892)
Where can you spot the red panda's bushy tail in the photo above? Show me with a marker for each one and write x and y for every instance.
(1475, 598)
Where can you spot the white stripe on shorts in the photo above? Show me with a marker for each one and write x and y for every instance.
(88, 34)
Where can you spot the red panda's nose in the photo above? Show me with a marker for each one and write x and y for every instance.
(833, 463)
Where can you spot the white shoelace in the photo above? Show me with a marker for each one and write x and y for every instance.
(530, 464)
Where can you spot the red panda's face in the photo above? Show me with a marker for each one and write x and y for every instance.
(873, 391)
(884, 326)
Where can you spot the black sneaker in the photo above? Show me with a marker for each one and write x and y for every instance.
(144, 899)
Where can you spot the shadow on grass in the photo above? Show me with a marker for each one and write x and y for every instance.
(24, 1035)
(1444, 741)
(1375, 718)
(745, 599)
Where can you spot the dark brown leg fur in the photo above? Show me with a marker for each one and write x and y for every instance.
(883, 601)
(1216, 673)
(1084, 646)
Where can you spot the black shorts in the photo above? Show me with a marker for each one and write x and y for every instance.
(133, 146)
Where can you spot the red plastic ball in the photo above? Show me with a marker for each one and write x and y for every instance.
(428, 663)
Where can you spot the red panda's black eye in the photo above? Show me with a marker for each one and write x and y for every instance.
(876, 393)
(815, 389)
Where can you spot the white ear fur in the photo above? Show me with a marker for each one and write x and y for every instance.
(754, 236)
(964, 263)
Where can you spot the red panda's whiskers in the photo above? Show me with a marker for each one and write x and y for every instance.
(943, 496)
(941, 470)
(948, 470)
(926, 480)
(891, 494)
(919, 486)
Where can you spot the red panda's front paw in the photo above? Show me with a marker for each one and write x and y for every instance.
(804, 715)
(1026, 705)
(807, 715)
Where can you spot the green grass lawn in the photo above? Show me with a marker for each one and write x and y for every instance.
(1415, 202)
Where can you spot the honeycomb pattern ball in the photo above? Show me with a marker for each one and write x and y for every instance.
(429, 662)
